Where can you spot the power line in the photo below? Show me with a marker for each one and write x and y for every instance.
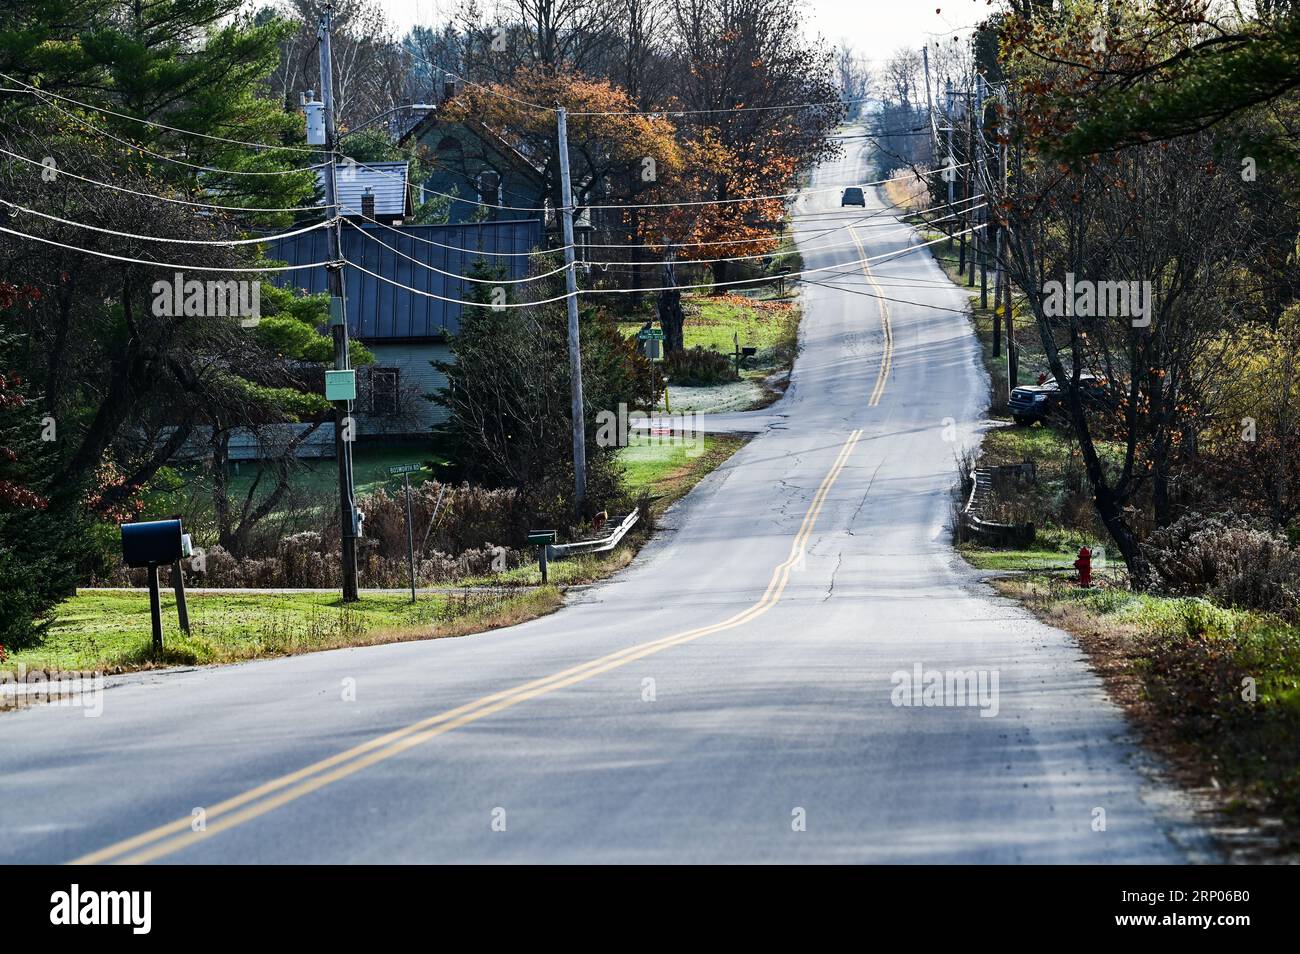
(900, 301)
(725, 110)
(484, 252)
(622, 265)
(211, 170)
(351, 162)
(897, 253)
(466, 278)
(160, 238)
(163, 198)
(141, 261)
(37, 91)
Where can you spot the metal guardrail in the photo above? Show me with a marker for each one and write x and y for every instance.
(600, 544)
(999, 534)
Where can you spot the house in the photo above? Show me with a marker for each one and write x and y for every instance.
(475, 164)
(373, 190)
(405, 330)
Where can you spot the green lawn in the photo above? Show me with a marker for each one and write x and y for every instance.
(110, 631)
(985, 559)
(715, 323)
(760, 321)
(369, 468)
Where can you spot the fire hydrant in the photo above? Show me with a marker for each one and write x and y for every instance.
(1084, 566)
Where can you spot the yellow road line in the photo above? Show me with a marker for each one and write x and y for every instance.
(887, 352)
(257, 801)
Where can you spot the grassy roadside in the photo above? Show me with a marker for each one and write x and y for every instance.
(109, 631)
(757, 319)
(1214, 690)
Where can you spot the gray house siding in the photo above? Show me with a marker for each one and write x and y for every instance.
(415, 378)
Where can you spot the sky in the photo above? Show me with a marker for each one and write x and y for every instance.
(876, 28)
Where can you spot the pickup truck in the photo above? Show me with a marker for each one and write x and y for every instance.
(1039, 402)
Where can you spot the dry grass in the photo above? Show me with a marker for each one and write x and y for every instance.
(907, 194)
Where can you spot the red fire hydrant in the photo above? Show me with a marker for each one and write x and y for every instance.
(1084, 566)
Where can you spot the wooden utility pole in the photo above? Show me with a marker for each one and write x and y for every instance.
(969, 260)
(575, 344)
(334, 276)
(951, 173)
(983, 234)
(929, 105)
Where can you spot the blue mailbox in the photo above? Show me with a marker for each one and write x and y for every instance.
(155, 541)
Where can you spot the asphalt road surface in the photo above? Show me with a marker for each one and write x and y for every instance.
(729, 697)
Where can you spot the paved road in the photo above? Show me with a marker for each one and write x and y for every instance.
(730, 697)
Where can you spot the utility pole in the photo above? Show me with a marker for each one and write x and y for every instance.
(575, 345)
(969, 192)
(951, 174)
(338, 319)
(929, 103)
(1008, 312)
(983, 234)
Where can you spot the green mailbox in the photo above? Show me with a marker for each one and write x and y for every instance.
(341, 385)
(542, 539)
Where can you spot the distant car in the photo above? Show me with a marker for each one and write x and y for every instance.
(853, 196)
(1039, 402)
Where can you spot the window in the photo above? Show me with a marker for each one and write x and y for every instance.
(384, 390)
(489, 187)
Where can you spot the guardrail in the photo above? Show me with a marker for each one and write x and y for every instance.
(600, 544)
(998, 534)
(546, 549)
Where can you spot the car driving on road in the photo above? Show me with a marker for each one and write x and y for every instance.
(1038, 402)
(853, 196)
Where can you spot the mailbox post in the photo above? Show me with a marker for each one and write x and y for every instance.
(542, 539)
(151, 544)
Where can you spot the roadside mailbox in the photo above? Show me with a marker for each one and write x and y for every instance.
(151, 544)
(155, 541)
(542, 539)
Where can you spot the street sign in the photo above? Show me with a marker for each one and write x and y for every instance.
(650, 334)
(405, 469)
(538, 537)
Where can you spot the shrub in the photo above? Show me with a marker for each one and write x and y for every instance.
(699, 367)
(1229, 560)
(507, 400)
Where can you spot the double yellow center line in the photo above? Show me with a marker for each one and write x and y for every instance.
(166, 839)
(887, 352)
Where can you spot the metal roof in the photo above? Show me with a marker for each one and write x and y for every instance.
(386, 180)
(378, 311)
